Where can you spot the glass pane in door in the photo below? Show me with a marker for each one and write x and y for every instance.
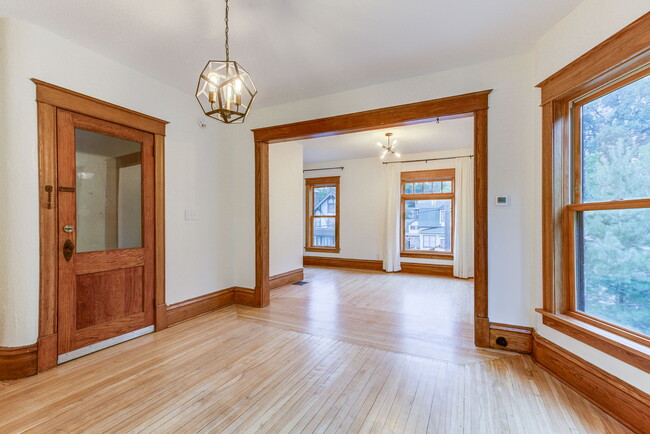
(109, 192)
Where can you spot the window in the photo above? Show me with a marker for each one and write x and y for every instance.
(596, 198)
(427, 210)
(609, 216)
(322, 225)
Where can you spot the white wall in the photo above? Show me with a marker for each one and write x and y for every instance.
(589, 24)
(363, 202)
(285, 207)
(198, 171)
(510, 161)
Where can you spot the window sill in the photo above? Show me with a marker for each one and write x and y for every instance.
(626, 350)
(323, 249)
(426, 255)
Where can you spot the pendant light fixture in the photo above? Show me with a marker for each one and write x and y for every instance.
(225, 90)
(389, 146)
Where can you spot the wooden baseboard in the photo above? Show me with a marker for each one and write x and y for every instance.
(356, 264)
(286, 278)
(511, 338)
(245, 296)
(18, 362)
(622, 401)
(197, 306)
(376, 265)
(428, 269)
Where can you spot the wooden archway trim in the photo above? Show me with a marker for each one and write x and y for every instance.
(475, 104)
(49, 98)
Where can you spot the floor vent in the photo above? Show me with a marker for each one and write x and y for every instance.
(302, 282)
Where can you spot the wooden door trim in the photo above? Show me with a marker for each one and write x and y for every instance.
(470, 104)
(86, 105)
(49, 98)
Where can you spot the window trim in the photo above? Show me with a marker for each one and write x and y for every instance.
(310, 184)
(428, 175)
(599, 71)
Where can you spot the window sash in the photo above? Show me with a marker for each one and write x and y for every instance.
(570, 230)
(311, 185)
(427, 176)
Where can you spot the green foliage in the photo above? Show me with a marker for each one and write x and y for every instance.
(616, 165)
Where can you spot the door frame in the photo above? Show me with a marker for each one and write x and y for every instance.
(49, 98)
(471, 104)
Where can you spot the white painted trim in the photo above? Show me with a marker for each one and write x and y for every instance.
(103, 344)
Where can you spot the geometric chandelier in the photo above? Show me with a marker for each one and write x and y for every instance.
(389, 146)
(225, 90)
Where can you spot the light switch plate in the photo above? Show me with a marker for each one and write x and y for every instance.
(191, 214)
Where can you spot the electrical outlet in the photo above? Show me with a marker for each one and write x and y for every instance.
(191, 214)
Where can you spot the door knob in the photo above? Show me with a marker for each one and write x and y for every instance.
(68, 249)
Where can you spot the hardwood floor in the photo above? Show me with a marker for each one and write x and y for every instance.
(349, 352)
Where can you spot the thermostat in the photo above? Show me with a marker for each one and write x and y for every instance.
(502, 201)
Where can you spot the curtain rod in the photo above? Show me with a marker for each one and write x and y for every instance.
(324, 168)
(427, 159)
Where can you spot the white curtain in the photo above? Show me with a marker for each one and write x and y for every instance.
(392, 241)
(464, 219)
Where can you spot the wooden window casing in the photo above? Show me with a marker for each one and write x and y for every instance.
(427, 176)
(311, 184)
(616, 62)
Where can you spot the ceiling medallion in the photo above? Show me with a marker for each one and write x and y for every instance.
(225, 90)
(389, 146)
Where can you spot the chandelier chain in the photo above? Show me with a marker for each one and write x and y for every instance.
(226, 20)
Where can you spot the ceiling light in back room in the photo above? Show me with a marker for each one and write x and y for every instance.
(389, 147)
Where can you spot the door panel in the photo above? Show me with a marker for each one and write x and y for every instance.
(107, 296)
(106, 201)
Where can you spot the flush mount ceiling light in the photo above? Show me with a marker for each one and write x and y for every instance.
(389, 146)
(225, 90)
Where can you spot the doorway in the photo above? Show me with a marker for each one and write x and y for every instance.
(101, 180)
(474, 104)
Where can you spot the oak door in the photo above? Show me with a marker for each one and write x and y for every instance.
(106, 230)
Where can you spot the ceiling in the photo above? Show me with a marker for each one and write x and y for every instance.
(411, 139)
(297, 49)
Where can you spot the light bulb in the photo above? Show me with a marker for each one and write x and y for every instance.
(379, 144)
(213, 82)
(397, 154)
(383, 155)
(238, 89)
(228, 95)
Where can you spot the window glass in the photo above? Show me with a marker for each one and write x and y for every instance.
(418, 188)
(615, 140)
(108, 192)
(428, 188)
(324, 232)
(446, 187)
(324, 201)
(614, 266)
(423, 219)
(408, 188)
(436, 187)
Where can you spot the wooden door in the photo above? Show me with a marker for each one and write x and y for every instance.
(106, 230)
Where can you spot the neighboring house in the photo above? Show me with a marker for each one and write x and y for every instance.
(427, 227)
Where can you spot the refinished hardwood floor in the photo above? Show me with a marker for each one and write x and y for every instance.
(349, 352)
